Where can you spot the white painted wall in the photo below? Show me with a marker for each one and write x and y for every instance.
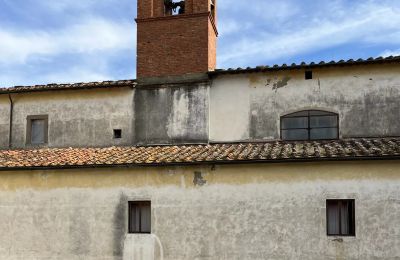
(242, 212)
(249, 106)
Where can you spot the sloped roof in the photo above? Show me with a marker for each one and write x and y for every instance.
(304, 65)
(50, 87)
(277, 151)
(132, 83)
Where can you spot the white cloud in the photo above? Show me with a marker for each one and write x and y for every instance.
(230, 26)
(83, 73)
(92, 35)
(80, 73)
(370, 22)
(62, 5)
(388, 53)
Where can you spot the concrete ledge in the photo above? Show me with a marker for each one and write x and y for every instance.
(182, 79)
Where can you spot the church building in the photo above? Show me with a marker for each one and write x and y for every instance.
(192, 162)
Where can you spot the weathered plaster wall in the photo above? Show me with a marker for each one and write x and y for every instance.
(4, 121)
(249, 106)
(268, 211)
(172, 114)
(76, 118)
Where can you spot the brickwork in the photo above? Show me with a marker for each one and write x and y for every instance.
(175, 45)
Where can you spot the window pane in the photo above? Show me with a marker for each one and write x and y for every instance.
(298, 134)
(134, 218)
(323, 133)
(345, 218)
(295, 122)
(333, 217)
(37, 131)
(146, 218)
(323, 121)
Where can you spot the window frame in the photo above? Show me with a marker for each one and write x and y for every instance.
(352, 218)
(309, 128)
(29, 120)
(130, 224)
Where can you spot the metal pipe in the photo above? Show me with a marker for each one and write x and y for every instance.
(11, 121)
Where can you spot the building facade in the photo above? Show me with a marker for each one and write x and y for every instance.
(192, 162)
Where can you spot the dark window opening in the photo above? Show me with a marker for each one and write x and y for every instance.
(117, 133)
(140, 217)
(173, 7)
(37, 130)
(310, 125)
(309, 75)
(340, 215)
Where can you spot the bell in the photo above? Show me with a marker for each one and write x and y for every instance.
(170, 5)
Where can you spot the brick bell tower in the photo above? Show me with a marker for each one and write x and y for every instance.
(176, 37)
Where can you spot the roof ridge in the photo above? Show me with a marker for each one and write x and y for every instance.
(64, 86)
(284, 66)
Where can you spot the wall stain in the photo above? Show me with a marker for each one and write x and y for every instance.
(198, 179)
(119, 224)
(80, 233)
(255, 80)
(281, 83)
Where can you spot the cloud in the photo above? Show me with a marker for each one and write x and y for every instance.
(388, 53)
(46, 41)
(365, 23)
(91, 35)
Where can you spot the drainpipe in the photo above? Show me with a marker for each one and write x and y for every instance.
(11, 121)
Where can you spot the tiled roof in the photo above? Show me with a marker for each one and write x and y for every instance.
(132, 83)
(304, 65)
(49, 87)
(277, 151)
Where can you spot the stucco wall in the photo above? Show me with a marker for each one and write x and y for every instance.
(172, 114)
(76, 118)
(264, 211)
(249, 106)
(4, 121)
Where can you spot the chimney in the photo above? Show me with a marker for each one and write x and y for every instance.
(176, 37)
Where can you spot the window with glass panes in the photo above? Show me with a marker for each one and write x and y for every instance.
(310, 125)
(140, 217)
(37, 130)
(340, 217)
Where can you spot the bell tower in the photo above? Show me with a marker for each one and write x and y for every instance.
(176, 37)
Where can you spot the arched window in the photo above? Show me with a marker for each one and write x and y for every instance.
(310, 125)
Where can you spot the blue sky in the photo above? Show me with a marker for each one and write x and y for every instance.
(62, 41)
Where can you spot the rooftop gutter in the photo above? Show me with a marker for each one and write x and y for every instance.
(244, 162)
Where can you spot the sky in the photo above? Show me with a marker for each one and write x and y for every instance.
(65, 41)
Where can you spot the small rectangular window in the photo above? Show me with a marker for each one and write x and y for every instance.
(37, 130)
(117, 133)
(308, 74)
(140, 217)
(340, 217)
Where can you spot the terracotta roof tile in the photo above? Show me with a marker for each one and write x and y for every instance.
(50, 87)
(348, 149)
(304, 65)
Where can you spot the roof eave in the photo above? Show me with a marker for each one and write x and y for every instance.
(216, 162)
